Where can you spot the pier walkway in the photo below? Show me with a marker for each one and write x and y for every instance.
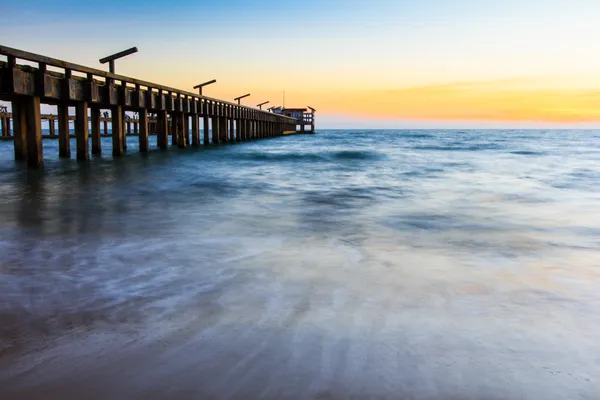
(160, 110)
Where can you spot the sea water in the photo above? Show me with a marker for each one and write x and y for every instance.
(425, 264)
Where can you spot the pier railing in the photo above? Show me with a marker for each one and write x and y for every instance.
(91, 90)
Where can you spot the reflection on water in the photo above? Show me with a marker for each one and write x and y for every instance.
(384, 264)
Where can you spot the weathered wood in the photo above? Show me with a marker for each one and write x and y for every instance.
(82, 130)
(162, 130)
(5, 132)
(96, 137)
(123, 134)
(117, 130)
(20, 129)
(195, 130)
(51, 127)
(215, 130)
(64, 142)
(206, 129)
(174, 123)
(181, 129)
(106, 127)
(238, 125)
(143, 135)
(33, 121)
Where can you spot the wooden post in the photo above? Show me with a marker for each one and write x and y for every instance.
(162, 130)
(128, 127)
(215, 130)
(238, 130)
(223, 129)
(82, 130)
(195, 130)
(20, 129)
(8, 126)
(174, 129)
(123, 132)
(64, 138)
(143, 135)
(95, 117)
(116, 114)
(181, 128)
(105, 126)
(33, 122)
(135, 127)
(205, 121)
(51, 126)
(5, 132)
(231, 130)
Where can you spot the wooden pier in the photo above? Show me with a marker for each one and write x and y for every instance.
(160, 110)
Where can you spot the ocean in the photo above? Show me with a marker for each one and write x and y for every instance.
(388, 264)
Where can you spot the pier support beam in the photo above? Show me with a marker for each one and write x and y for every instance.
(123, 133)
(181, 128)
(238, 129)
(95, 119)
(215, 130)
(174, 129)
(5, 132)
(222, 129)
(195, 130)
(51, 127)
(206, 123)
(143, 135)
(64, 139)
(33, 122)
(82, 131)
(162, 137)
(117, 130)
(20, 129)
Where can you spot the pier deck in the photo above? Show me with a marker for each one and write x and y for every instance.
(160, 109)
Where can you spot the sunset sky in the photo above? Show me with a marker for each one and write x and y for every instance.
(376, 63)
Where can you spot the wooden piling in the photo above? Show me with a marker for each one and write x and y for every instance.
(82, 131)
(206, 128)
(180, 129)
(33, 122)
(106, 127)
(143, 135)
(195, 130)
(96, 138)
(20, 129)
(4, 126)
(117, 130)
(215, 130)
(51, 127)
(162, 130)
(123, 132)
(64, 142)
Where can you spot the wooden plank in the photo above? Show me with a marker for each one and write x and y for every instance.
(64, 142)
(82, 130)
(96, 138)
(33, 121)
